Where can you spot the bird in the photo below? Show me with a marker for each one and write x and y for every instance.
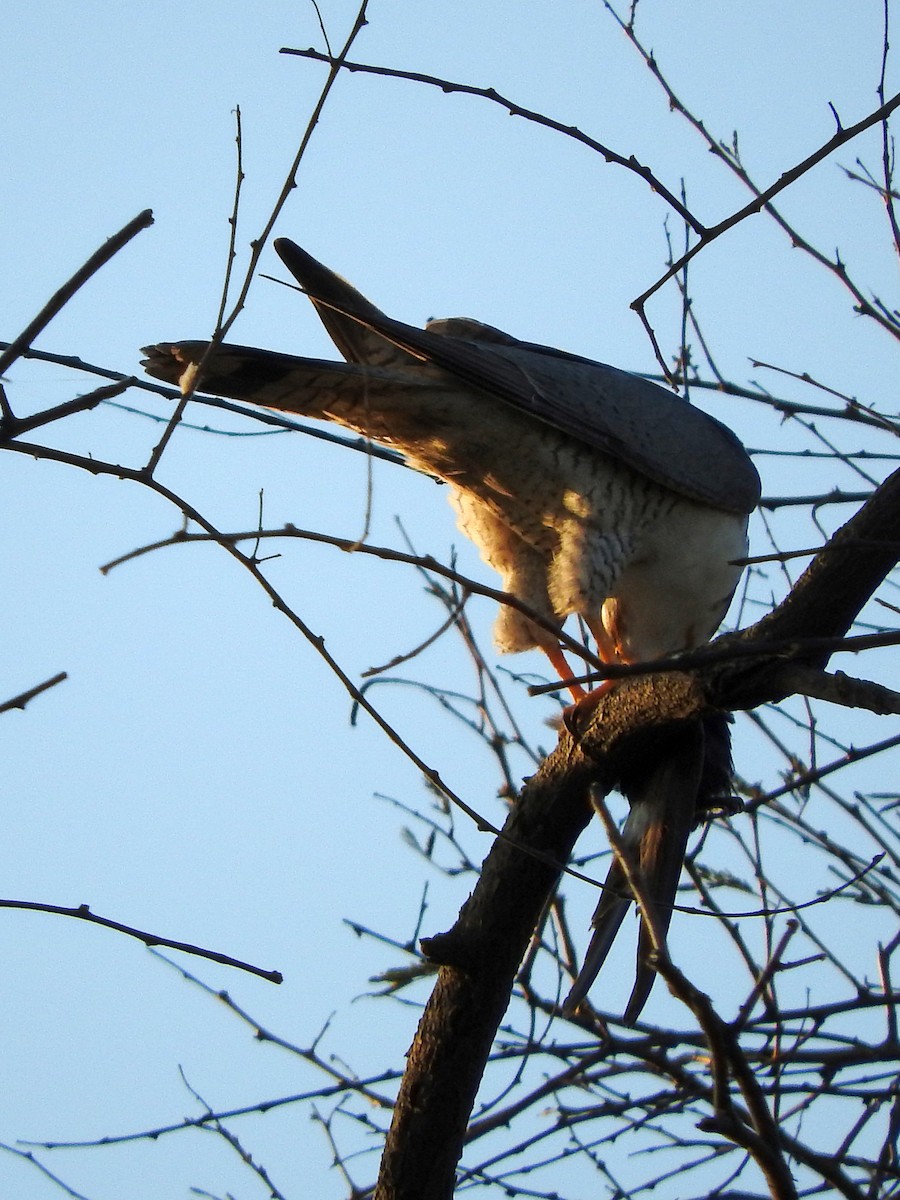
(591, 491)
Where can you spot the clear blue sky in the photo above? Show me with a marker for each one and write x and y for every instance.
(197, 774)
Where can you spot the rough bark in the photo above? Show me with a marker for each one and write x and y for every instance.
(483, 950)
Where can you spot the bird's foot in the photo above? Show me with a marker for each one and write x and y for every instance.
(577, 716)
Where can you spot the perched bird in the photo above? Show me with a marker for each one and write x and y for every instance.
(589, 490)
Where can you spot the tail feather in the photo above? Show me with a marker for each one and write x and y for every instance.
(664, 804)
(661, 858)
(607, 919)
(311, 387)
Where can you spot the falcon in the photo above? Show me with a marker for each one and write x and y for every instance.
(592, 492)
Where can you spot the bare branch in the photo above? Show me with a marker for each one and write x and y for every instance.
(449, 87)
(62, 297)
(25, 697)
(839, 688)
(83, 913)
(763, 200)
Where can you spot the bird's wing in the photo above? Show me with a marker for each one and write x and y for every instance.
(630, 419)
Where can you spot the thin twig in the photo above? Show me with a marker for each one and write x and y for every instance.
(83, 913)
(24, 697)
(449, 86)
(63, 295)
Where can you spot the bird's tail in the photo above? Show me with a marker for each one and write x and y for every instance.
(338, 391)
(688, 774)
(607, 918)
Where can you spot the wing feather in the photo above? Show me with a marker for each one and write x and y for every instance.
(654, 431)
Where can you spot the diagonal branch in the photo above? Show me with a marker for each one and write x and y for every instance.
(449, 86)
(26, 697)
(64, 294)
(480, 956)
(83, 913)
(763, 200)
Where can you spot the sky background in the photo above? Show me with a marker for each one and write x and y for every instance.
(197, 775)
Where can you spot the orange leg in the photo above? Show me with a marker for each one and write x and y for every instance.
(564, 671)
(584, 700)
(608, 651)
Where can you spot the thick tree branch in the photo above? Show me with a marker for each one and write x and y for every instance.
(824, 602)
(482, 952)
(840, 688)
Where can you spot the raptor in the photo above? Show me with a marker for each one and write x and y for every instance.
(590, 491)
